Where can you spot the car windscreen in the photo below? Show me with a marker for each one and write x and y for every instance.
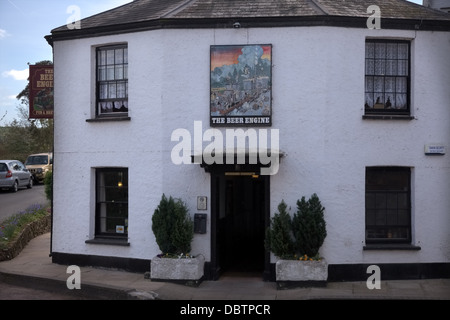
(3, 167)
(36, 160)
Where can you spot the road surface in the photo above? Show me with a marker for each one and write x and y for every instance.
(12, 203)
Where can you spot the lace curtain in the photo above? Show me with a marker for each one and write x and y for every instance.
(387, 71)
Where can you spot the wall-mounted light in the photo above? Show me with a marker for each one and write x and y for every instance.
(120, 184)
(236, 25)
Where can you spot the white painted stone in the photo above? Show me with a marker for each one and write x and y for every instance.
(295, 270)
(177, 269)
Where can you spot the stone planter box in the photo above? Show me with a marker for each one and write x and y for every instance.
(295, 273)
(185, 271)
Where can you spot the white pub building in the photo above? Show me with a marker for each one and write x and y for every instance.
(234, 106)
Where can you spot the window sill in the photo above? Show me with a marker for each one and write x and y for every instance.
(392, 246)
(387, 117)
(108, 119)
(109, 241)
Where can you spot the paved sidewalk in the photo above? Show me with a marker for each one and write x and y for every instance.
(34, 267)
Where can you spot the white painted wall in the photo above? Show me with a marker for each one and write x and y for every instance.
(318, 98)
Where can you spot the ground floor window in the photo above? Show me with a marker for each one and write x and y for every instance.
(111, 214)
(388, 205)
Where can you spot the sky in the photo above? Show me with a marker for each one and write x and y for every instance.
(23, 26)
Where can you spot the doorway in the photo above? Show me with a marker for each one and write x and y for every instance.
(240, 214)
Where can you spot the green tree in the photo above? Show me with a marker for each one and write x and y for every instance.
(24, 136)
(309, 226)
(279, 235)
(172, 226)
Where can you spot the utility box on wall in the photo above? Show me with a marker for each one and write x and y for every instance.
(200, 223)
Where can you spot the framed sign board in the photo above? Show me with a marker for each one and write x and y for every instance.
(241, 85)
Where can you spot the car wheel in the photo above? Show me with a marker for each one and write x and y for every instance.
(30, 185)
(15, 186)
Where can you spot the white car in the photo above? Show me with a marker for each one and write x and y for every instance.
(14, 175)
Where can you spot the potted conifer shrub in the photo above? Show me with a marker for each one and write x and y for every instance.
(174, 230)
(300, 266)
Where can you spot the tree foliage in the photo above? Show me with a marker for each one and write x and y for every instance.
(309, 226)
(172, 226)
(23, 136)
(279, 235)
(304, 234)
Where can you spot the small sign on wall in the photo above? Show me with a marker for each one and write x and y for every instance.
(435, 149)
(202, 203)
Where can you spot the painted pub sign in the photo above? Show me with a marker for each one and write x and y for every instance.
(241, 85)
(41, 92)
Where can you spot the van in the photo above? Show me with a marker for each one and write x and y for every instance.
(39, 164)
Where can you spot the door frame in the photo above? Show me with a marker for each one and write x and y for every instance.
(217, 178)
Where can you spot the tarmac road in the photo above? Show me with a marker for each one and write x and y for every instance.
(12, 203)
(15, 292)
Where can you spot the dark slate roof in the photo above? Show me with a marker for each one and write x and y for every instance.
(155, 14)
(398, 9)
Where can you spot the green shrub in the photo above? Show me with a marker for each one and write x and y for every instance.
(48, 185)
(172, 226)
(279, 235)
(309, 226)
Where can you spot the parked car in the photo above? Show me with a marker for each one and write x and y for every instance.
(39, 164)
(14, 175)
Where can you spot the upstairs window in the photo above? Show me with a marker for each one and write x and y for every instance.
(112, 81)
(387, 82)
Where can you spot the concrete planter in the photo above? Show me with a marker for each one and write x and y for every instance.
(295, 273)
(184, 271)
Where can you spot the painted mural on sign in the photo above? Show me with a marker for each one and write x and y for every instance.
(41, 92)
(241, 85)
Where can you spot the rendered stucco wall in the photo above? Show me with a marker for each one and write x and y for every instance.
(318, 99)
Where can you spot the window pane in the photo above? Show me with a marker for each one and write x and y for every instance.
(403, 51)
(102, 58)
(121, 90)
(370, 217)
(101, 73)
(403, 217)
(110, 57)
(119, 72)
(380, 67)
(401, 102)
(125, 55)
(401, 85)
(370, 67)
(380, 50)
(391, 217)
(103, 91)
(389, 85)
(402, 67)
(112, 91)
(110, 73)
(391, 67)
(119, 56)
(370, 50)
(391, 51)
